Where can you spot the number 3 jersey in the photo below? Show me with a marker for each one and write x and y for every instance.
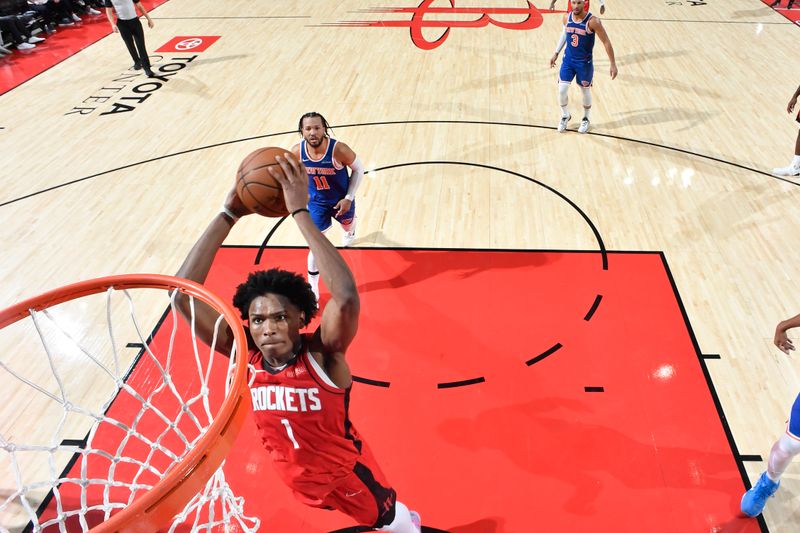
(303, 421)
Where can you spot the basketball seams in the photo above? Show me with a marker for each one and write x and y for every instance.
(250, 158)
(265, 209)
(259, 191)
(250, 171)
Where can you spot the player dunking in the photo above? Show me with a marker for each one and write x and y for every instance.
(580, 27)
(794, 168)
(332, 190)
(787, 446)
(569, 5)
(301, 383)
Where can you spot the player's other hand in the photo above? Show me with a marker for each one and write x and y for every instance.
(783, 342)
(342, 206)
(791, 105)
(293, 180)
(234, 204)
(150, 23)
(614, 71)
(553, 60)
(552, 5)
(602, 10)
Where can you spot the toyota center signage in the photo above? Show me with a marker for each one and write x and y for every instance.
(192, 43)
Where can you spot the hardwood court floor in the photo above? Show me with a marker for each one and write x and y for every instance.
(678, 160)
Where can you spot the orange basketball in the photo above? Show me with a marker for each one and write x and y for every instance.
(258, 190)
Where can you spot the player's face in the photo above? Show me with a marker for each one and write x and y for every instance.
(313, 131)
(275, 325)
(577, 6)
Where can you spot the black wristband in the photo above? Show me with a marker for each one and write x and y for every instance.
(300, 211)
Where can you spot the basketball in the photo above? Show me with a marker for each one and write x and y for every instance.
(256, 187)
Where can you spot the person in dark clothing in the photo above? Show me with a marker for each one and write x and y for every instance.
(130, 29)
(19, 32)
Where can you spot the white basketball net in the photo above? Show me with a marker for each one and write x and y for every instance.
(98, 412)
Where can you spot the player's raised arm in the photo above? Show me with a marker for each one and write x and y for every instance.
(340, 316)
(600, 31)
(197, 265)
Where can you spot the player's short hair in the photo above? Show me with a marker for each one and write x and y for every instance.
(276, 281)
(312, 114)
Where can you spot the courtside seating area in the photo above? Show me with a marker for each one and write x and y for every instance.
(42, 17)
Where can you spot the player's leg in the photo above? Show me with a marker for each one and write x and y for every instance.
(783, 451)
(585, 76)
(321, 216)
(366, 497)
(348, 222)
(565, 77)
(405, 520)
(794, 168)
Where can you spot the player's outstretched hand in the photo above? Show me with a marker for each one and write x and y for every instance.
(791, 105)
(234, 204)
(293, 180)
(553, 60)
(614, 71)
(783, 342)
(602, 10)
(552, 5)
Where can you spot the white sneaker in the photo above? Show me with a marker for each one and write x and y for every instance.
(25, 46)
(584, 125)
(350, 236)
(416, 520)
(76, 18)
(786, 171)
(34, 40)
(93, 11)
(562, 124)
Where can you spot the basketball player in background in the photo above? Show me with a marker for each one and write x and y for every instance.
(580, 27)
(332, 190)
(787, 446)
(301, 383)
(569, 5)
(794, 168)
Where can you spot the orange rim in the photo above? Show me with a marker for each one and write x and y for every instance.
(156, 508)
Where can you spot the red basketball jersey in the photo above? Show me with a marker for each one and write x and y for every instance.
(303, 421)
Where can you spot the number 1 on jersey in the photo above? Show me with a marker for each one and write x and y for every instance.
(290, 432)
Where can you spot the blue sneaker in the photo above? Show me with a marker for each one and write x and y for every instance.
(755, 499)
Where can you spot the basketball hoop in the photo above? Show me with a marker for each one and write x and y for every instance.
(156, 441)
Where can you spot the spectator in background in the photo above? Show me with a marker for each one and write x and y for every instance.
(20, 34)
